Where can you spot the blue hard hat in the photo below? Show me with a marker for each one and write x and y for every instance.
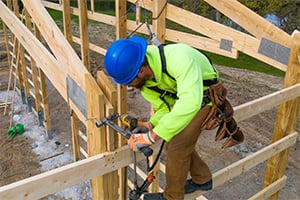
(124, 57)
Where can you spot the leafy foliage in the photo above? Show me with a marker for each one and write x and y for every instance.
(287, 10)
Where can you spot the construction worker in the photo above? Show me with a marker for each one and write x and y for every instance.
(171, 78)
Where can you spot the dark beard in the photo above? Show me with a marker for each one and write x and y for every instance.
(141, 83)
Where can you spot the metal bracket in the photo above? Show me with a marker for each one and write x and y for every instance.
(274, 50)
(29, 102)
(226, 45)
(77, 95)
(23, 96)
(40, 117)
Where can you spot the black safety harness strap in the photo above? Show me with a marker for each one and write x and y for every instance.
(164, 93)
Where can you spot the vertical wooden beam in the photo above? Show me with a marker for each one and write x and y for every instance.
(137, 12)
(19, 70)
(112, 137)
(67, 20)
(92, 6)
(96, 136)
(25, 75)
(121, 28)
(9, 4)
(44, 113)
(159, 22)
(36, 85)
(74, 117)
(84, 34)
(34, 72)
(111, 94)
(6, 44)
(286, 118)
(159, 27)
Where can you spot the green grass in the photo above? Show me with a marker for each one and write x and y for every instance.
(243, 62)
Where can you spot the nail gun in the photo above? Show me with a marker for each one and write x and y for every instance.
(130, 124)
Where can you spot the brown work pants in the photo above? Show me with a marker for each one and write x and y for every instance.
(183, 158)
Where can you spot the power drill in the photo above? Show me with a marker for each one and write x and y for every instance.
(129, 121)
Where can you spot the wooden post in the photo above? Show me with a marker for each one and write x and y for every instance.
(67, 20)
(159, 27)
(137, 13)
(121, 27)
(96, 136)
(45, 115)
(11, 69)
(74, 117)
(111, 94)
(18, 68)
(34, 70)
(6, 44)
(286, 118)
(92, 6)
(25, 75)
(112, 137)
(84, 34)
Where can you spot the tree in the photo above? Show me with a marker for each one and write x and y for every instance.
(288, 11)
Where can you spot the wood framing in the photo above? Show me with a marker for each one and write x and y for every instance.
(121, 29)
(64, 53)
(67, 20)
(107, 162)
(111, 136)
(84, 34)
(265, 103)
(74, 117)
(107, 155)
(270, 190)
(247, 163)
(286, 119)
(251, 21)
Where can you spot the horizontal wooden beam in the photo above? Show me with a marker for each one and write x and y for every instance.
(241, 41)
(249, 162)
(92, 46)
(63, 177)
(200, 42)
(267, 102)
(101, 164)
(270, 190)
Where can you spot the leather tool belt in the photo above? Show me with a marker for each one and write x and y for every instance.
(221, 115)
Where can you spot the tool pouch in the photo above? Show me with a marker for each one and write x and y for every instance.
(229, 130)
(213, 119)
(220, 108)
(221, 114)
(217, 94)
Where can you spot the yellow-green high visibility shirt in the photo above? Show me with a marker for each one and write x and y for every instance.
(189, 67)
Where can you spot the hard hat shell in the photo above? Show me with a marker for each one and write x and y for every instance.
(124, 58)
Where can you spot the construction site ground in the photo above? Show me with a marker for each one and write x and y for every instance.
(29, 154)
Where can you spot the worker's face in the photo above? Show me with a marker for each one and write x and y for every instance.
(141, 78)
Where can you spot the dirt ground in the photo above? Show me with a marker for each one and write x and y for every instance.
(23, 156)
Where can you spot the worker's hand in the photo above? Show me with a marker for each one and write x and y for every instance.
(138, 141)
(146, 124)
(140, 129)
